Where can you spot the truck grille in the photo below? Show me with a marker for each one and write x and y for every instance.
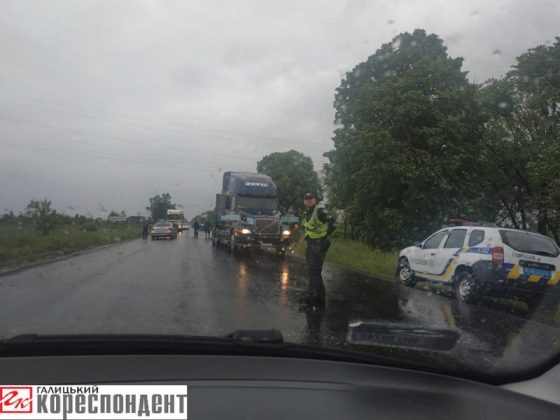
(267, 226)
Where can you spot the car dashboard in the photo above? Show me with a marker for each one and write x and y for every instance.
(241, 387)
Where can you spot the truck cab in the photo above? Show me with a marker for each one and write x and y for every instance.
(248, 214)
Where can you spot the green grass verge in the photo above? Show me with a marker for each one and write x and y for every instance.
(23, 243)
(357, 255)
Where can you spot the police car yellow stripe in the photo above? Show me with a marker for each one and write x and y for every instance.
(554, 280)
(534, 279)
(515, 272)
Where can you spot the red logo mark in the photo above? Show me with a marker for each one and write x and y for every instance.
(16, 399)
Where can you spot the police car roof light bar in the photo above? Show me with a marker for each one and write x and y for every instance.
(465, 222)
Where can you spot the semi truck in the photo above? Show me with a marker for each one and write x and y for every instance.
(248, 216)
(176, 218)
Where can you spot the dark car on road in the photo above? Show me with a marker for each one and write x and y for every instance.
(163, 230)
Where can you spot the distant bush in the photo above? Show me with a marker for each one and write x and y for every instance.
(90, 227)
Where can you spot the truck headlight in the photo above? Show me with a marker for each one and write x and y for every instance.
(286, 233)
(245, 231)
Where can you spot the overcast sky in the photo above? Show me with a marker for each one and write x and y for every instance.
(106, 103)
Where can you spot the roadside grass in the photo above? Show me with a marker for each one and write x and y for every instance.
(357, 255)
(23, 243)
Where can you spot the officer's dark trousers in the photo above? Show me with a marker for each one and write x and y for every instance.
(315, 257)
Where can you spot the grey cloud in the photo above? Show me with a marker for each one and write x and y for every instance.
(105, 103)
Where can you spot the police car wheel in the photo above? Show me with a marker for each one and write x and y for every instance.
(405, 275)
(466, 288)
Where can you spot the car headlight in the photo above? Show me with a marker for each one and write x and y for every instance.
(286, 233)
(245, 231)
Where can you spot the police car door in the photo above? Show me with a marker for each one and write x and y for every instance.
(446, 257)
(423, 261)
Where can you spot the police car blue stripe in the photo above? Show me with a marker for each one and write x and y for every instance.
(480, 250)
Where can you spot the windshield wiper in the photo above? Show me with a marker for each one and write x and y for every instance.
(259, 343)
(128, 343)
(240, 343)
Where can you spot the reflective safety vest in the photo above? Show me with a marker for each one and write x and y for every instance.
(314, 228)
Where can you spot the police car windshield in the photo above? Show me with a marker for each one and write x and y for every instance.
(529, 243)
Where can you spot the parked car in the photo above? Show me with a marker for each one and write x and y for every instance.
(163, 230)
(480, 259)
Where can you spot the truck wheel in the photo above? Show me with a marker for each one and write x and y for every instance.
(404, 273)
(466, 288)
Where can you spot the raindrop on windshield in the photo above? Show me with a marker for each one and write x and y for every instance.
(503, 105)
(396, 43)
(497, 53)
(390, 21)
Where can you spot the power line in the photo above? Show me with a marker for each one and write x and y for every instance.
(153, 157)
(119, 119)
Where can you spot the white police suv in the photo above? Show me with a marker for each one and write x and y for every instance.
(480, 259)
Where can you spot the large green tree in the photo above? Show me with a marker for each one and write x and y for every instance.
(405, 149)
(43, 214)
(522, 140)
(159, 204)
(293, 174)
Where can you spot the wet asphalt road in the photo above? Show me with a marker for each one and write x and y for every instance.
(189, 287)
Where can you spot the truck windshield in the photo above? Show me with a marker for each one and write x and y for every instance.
(256, 204)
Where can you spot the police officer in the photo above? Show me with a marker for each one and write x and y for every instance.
(318, 225)
(196, 227)
(145, 230)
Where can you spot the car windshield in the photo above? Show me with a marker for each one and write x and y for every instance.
(529, 243)
(358, 175)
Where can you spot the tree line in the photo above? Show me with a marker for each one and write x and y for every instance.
(417, 143)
